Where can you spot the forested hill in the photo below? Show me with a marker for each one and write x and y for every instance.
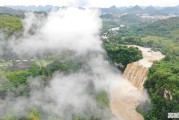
(161, 35)
(160, 28)
(163, 77)
(10, 22)
(143, 10)
(10, 11)
(111, 10)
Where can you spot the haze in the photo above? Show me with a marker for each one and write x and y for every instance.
(92, 3)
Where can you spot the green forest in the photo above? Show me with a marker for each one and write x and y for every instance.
(163, 79)
(161, 35)
(16, 81)
(10, 23)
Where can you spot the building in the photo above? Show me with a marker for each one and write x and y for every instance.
(114, 29)
(21, 65)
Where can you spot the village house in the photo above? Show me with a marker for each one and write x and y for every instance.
(21, 64)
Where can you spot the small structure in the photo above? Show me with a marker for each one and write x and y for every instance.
(21, 65)
(104, 36)
(114, 29)
(122, 26)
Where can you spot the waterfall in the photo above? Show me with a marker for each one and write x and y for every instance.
(136, 72)
(126, 97)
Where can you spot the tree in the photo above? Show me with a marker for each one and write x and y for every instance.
(123, 54)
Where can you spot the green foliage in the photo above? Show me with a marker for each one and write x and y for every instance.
(66, 66)
(162, 28)
(159, 35)
(76, 117)
(34, 115)
(11, 23)
(163, 75)
(106, 16)
(123, 54)
(131, 19)
(17, 80)
(17, 83)
(8, 117)
(163, 36)
(109, 24)
(34, 69)
(9, 11)
(102, 99)
(18, 77)
(168, 46)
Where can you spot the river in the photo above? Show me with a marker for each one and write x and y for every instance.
(126, 96)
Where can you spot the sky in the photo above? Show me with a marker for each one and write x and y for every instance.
(91, 3)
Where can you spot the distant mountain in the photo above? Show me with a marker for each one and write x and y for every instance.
(151, 10)
(170, 10)
(135, 10)
(166, 25)
(35, 8)
(110, 10)
(143, 10)
(130, 19)
(10, 11)
(162, 28)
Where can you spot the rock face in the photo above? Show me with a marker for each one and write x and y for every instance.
(168, 95)
(124, 108)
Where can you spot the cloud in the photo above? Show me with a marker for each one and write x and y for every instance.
(71, 29)
(92, 3)
(109, 3)
(66, 94)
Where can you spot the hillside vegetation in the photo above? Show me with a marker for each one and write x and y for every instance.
(11, 23)
(163, 77)
(163, 87)
(16, 81)
(160, 35)
(10, 11)
(122, 55)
